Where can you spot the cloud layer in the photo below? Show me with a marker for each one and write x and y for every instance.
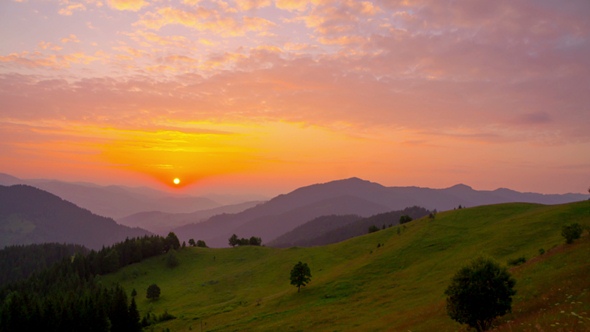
(507, 78)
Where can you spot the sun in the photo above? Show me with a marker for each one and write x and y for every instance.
(176, 181)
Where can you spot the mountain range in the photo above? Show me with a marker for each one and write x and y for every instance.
(349, 196)
(30, 215)
(120, 201)
(202, 219)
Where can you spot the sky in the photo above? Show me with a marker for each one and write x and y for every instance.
(264, 96)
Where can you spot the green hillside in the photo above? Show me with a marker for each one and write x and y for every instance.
(392, 280)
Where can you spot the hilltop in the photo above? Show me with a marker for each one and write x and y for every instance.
(392, 279)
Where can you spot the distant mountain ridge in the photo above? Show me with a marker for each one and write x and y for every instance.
(349, 196)
(116, 201)
(332, 229)
(162, 222)
(30, 215)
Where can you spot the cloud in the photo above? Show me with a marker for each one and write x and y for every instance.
(292, 5)
(205, 19)
(130, 5)
(70, 39)
(252, 4)
(71, 8)
(49, 46)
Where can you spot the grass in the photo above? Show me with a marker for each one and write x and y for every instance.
(383, 281)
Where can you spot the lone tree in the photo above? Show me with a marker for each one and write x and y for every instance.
(153, 292)
(300, 275)
(480, 292)
(571, 232)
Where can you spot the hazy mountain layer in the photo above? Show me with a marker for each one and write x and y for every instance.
(332, 229)
(163, 222)
(29, 215)
(116, 201)
(350, 196)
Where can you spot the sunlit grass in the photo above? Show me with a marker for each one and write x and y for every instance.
(381, 281)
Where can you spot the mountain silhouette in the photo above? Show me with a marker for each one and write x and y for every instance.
(349, 196)
(30, 215)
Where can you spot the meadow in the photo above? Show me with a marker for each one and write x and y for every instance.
(390, 280)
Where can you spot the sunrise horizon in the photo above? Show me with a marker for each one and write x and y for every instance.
(269, 96)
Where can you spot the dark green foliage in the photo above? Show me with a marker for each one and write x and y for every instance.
(480, 292)
(300, 275)
(255, 241)
(233, 240)
(191, 242)
(171, 259)
(541, 251)
(201, 244)
(66, 297)
(20, 262)
(153, 292)
(171, 242)
(516, 261)
(373, 229)
(571, 232)
(68, 304)
(252, 241)
(405, 219)
(165, 316)
(134, 318)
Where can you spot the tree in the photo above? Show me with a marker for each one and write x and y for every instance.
(233, 240)
(201, 244)
(153, 292)
(571, 232)
(255, 241)
(134, 318)
(191, 242)
(480, 292)
(300, 275)
(373, 229)
(404, 219)
(172, 242)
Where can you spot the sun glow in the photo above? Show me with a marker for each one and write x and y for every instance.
(176, 181)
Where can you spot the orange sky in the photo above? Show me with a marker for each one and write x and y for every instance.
(264, 96)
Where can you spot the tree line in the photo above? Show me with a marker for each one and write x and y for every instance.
(68, 297)
(21, 261)
(252, 241)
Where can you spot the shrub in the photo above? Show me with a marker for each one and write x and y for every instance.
(153, 292)
(571, 232)
(480, 292)
(517, 261)
(373, 229)
(405, 219)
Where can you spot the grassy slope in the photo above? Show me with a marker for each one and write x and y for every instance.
(397, 287)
